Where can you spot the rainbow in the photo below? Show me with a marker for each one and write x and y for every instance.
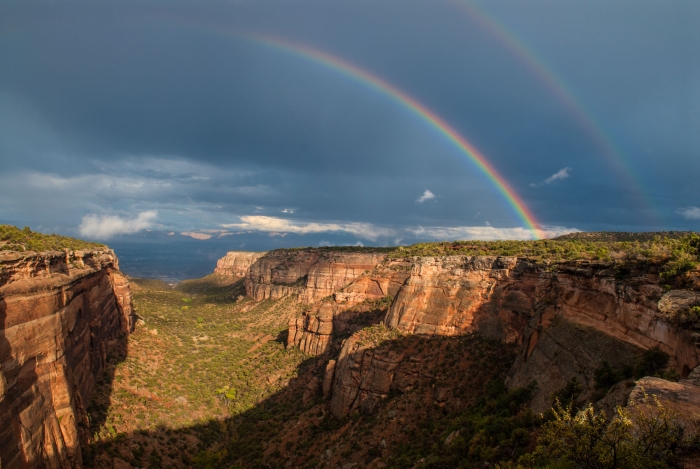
(564, 95)
(421, 111)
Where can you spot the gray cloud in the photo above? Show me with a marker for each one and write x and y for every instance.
(108, 226)
(689, 213)
(111, 120)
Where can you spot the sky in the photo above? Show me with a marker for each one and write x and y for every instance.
(270, 123)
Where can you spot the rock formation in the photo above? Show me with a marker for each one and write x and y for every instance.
(588, 313)
(456, 294)
(237, 263)
(363, 376)
(59, 314)
(568, 318)
(309, 274)
(348, 309)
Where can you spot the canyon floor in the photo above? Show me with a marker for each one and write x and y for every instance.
(198, 348)
(207, 378)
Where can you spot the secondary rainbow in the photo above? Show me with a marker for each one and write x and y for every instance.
(564, 94)
(346, 68)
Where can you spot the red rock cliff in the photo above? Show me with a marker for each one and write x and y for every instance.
(59, 314)
(456, 294)
(237, 263)
(569, 318)
(587, 313)
(347, 310)
(310, 274)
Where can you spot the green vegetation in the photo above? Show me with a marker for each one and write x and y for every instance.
(14, 239)
(361, 249)
(679, 252)
(652, 362)
(204, 354)
(649, 436)
(496, 428)
(671, 254)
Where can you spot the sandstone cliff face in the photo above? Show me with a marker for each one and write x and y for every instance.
(456, 294)
(363, 376)
(568, 318)
(309, 274)
(586, 314)
(237, 263)
(59, 313)
(348, 309)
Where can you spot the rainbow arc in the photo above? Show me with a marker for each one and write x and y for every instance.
(424, 113)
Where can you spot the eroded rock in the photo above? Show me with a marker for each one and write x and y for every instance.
(237, 263)
(59, 314)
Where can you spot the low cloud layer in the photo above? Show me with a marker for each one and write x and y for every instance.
(485, 233)
(107, 226)
(689, 213)
(371, 232)
(197, 235)
(280, 225)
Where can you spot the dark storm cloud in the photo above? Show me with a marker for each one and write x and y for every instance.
(121, 109)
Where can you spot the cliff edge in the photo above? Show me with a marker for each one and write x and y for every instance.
(60, 314)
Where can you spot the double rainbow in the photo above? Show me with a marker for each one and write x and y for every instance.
(565, 95)
(428, 116)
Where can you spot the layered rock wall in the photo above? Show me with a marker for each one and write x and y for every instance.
(456, 294)
(59, 314)
(363, 376)
(589, 313)
(237, 263)
(567, 318)
(348, 309)
(310, 274)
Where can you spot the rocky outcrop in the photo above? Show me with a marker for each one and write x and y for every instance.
(363, 376)
(354, 306)
(309, 274)
(588, 313)
(456, 294)
(59, 314)
(237, 263)
(681, 398)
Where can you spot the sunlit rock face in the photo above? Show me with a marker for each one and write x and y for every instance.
(237, 263)
(588, 313)
(60, 314)
(309, 274)
(567, 319)
(347, 309)
(456, 294)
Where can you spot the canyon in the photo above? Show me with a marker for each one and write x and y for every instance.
(61, 315)
(566, 319)
(329, 356)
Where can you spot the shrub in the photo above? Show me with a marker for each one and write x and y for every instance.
(651, 437)
(570, 392)
(651, 363)
(14, 239)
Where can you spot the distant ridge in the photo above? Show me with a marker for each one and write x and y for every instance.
(622, 235)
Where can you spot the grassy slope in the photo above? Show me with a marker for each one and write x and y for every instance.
(197, 340)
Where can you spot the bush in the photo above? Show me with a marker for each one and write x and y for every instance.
(651, 437)
(651, 362)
